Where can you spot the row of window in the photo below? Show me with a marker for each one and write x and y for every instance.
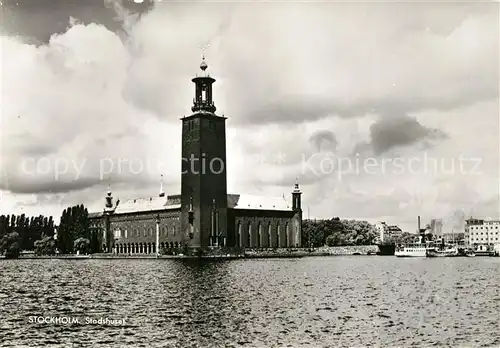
(191, 124)
(481, 227)
(482, 238)
(164, 232)
(482, 233)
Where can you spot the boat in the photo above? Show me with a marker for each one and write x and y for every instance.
(470, 253)
(450, 251)
(386, 249)
(415, 249)
(483, 253)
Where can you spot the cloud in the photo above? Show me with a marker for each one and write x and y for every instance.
(393, 132)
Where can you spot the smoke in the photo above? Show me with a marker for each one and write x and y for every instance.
(456, 221)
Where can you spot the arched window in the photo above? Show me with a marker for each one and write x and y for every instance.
(278, 235)
(249, 235)
(288, 241)
(237, 241)
(259, 236)
(269, 236)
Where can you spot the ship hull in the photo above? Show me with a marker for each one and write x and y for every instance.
(386, 249)
(415, 253)
(443, 253)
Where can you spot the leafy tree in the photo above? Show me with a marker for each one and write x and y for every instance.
(4, 223)
(336, 232)
(82, 245)
(45, 246)
(29, 229)
(10, 245)
(74, 225)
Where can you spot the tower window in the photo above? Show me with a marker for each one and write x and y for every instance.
(203, 94)
(211, 124)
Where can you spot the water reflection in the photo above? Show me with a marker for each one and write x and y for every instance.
(342, 301)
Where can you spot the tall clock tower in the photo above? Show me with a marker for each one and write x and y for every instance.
(204, 179)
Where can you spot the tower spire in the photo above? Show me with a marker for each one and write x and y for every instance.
(296, 205)
(109, 198)
(162, 193)
(203, 99)
(296, 184)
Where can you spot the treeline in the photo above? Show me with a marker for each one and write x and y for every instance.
(404, 238)
(336, 232)
(19, 233)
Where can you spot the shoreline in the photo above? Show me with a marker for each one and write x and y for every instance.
(180, 257)
(223, 255)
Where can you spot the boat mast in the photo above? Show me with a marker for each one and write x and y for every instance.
(419, 231)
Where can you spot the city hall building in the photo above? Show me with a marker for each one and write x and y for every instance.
(203, 215)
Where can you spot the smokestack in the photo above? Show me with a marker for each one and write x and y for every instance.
(419, 225)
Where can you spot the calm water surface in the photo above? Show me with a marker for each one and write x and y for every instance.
(310, 302)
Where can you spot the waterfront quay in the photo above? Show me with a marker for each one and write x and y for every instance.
(226, 254)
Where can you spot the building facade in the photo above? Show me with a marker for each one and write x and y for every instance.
(387, 232)
(482, 235)
(203, 215)
(436, 228)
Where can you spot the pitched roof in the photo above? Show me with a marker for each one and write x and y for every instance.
(257, 202)
(145, 204)
(95, 215)
(234, 201)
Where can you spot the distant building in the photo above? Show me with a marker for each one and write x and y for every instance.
(436, 228)
(203, 215)
(453, 237)
(387, 232)
(482, 234)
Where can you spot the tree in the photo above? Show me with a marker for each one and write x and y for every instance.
(63, 233)
(74, 225)
(45, 246)
(82, 245)
(334, 232)
(10, 245)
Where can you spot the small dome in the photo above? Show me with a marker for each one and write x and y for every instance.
(203, 65)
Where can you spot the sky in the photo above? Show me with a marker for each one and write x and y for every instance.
(383, 111)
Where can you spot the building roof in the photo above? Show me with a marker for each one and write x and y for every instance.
(236, 201)
(95, 215)
(145, 204)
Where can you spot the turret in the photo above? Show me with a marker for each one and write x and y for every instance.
(109, 199)
(162, 193)
(203, 91)
(296, 197)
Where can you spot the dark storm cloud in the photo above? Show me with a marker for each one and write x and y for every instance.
(400, 131)
(396, 132)
(302, 108)
(37, 20)
(47, 186)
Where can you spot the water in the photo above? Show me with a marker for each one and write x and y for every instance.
(309, 302)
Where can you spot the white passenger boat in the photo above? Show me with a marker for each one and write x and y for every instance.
(414, 250)
(419, 249)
